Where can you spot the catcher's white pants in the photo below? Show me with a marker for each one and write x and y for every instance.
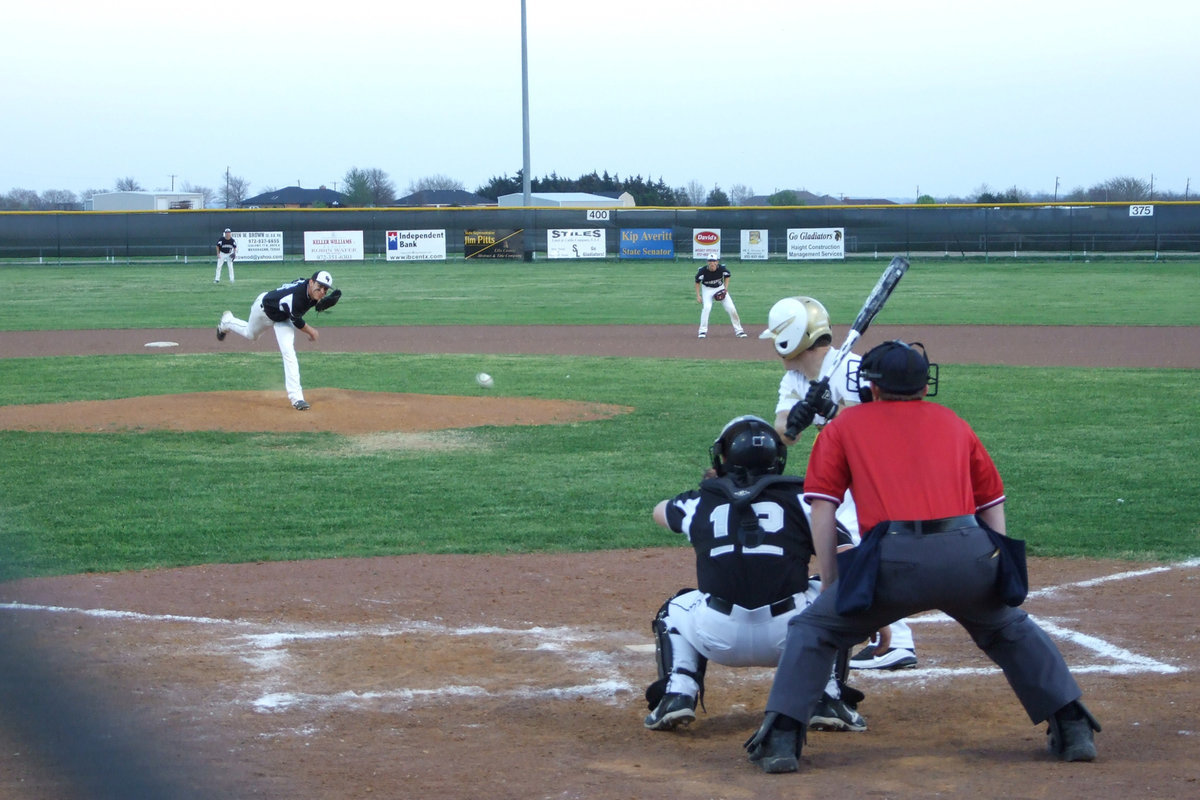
(285, 335)
(706, 298)
(224, 258)
(743, 638)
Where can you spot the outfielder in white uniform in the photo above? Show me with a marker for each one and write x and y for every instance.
(749, 529)
(226, 254)
(712, 284)
(801, 333)
(283, 309)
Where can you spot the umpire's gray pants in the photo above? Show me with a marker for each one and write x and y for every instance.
(954, 572)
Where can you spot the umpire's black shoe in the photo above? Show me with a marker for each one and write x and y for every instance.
(674, 709)
(1070, 733)
(774, 749)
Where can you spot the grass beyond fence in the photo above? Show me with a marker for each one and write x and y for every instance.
(1097, 462)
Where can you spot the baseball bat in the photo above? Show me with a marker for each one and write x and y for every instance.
(871, 307)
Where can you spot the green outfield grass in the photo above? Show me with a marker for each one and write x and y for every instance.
(602, 293)
(1097, 462)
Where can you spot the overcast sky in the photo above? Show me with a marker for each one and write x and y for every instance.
(857, 99)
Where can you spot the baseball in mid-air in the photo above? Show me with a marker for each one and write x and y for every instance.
(484, 380)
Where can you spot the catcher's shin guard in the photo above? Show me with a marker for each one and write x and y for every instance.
(664, 657)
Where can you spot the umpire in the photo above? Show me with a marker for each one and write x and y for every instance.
(932, 502)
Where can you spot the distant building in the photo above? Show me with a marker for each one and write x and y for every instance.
(144, 201)
(866, 201)
(437, 198)
(295, 197)
(567, 200)
(806, 198)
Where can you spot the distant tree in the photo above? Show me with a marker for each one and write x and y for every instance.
(128, 185)
(205, 192)
(739, 193)
(695, 193)
(435, 183)
(235, 189)
(716, 197)
(926, 200)
(1120, 190)
(21, 200)
(498, 186)
(357, 187)
(383, 191)
(60, 200)
(785, 197)
(369, 187)
(1013, 195)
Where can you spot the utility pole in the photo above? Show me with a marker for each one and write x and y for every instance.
(1056, 188)
(172, 183)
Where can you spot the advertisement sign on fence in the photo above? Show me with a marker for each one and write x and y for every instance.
(813, 243)
(426, 245)
(706, 243)
(754, 244)
(647, 243)
(259, 245)
(575, 243)
(333, 246)
(506, 243)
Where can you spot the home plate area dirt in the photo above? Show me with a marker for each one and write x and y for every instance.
(521, 676)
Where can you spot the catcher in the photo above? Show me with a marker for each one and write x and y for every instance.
(751, 535)
(283, 309)
(712, 285)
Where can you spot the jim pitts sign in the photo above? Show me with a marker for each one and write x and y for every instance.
(814, 243)
(425, 245)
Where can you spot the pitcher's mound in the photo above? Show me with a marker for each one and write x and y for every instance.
(335, 410)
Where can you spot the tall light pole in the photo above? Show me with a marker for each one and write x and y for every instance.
(524, 109)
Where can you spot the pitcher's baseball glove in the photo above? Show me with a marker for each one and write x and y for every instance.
(328, 301)
(720, 295)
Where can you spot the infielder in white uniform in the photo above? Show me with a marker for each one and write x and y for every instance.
(800, 330)
(749, 528)
(712, 284)
(226, 254)
(283, 310)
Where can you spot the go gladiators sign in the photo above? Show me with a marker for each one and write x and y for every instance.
(815, 243)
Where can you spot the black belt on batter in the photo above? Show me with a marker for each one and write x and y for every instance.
(933, 525)
(723, 606)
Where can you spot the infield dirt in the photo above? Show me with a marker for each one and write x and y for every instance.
(520, 676)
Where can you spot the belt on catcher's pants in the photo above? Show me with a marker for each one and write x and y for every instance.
(942, 525)
(723, 606)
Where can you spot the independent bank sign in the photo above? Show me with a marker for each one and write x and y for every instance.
(422, 245)
(815, 243)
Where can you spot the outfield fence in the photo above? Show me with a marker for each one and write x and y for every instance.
(1092, 230)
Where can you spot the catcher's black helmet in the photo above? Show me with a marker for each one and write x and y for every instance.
(748, 448)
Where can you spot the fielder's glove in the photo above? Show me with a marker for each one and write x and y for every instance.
(720, 295)
(329, 301)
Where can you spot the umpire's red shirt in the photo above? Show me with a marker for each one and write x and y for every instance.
(905, 460)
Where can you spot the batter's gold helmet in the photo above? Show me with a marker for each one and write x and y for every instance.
(796, 323)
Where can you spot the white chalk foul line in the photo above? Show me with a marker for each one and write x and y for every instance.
(268, 649)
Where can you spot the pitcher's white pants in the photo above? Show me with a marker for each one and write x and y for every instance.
(285, 335)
